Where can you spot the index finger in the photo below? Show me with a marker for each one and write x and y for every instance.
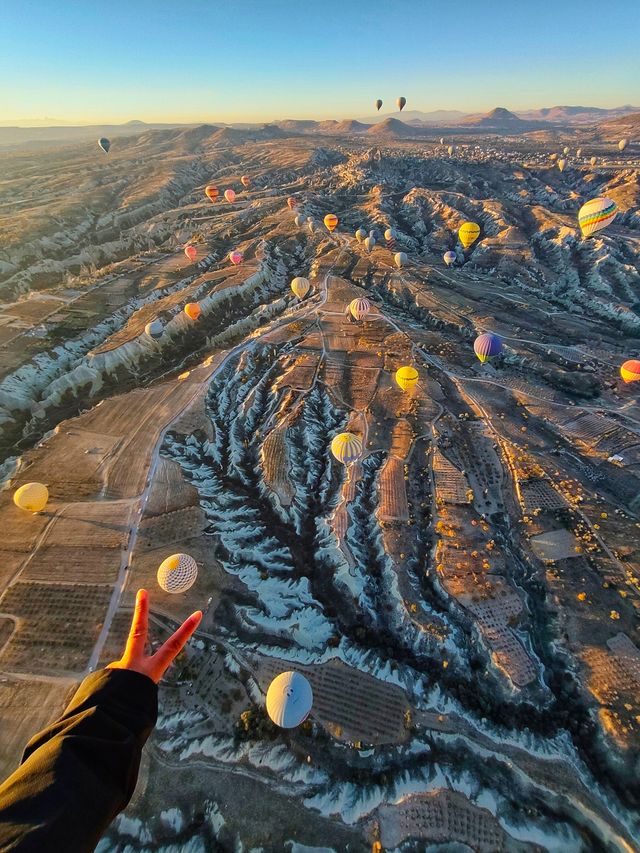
(172, 647)
(139, 625)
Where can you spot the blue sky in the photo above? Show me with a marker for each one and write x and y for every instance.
(231, 60)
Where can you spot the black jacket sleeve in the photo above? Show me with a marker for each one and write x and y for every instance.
(77, 774)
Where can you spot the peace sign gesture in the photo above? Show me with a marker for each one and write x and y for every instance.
(155, 665)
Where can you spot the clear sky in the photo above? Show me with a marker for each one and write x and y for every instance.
(257, 60)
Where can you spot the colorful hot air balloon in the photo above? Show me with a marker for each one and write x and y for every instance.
(346, 447)
(593, 161)
(245, 180)
(230, 196)
(378, 104)
(154, 329)
(401, 102)
(359, 307)
(236, 257)
(450, 150)
(289, 700)
(31, 497)
(407, 377)
(487, 346)
(562, 164)
(623, 144)
(630, 370)
(360, 235)
(104, 143)
(450, 258)
(211, 192)
(400, 259)
(192, 310)
(468, 233)
(369, 243)
(292, 202)
(191, 252)
(565, 150)
(331, 222)
(177, 573)
(596, 214)
(300, 286)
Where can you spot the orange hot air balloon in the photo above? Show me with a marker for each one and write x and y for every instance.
(292, 202)
(230, 196)
(192, 310)
(245, 180)
(331, 222)
(191, 252)
(630, 370)
(211, 192)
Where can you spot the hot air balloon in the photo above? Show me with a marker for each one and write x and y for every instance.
(401, 102)
(468, 233)
(311, 225)
(236, 257)
(487, 346)
(292, 202)
(346, 447)
(561, 164)
(565, 150)
(623, 144)
(407, 377)
(299, 220)
(31, 497)
(375, 234)
(230, 196)
(369, 243)
(331, 222)
(154, 329)
(300, 286)
(104, 143)
(177, 573)
(191, 252)
(578, 152)
(192, 310)
(289, 700)
(211, 192)
(450, 150)
(400, 259)
(630, 371)
(450, 258)
(359, 308)
(442, 140)
(378, 104)
(360, 235)
(389, 235)
(593, 161)
(245, 180)
(553, 157)
(596, 214)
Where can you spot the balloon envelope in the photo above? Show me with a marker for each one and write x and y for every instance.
(292, 202)
(300, 286)
(561, 164)
(300, 220)
(104, 143)
(211, 192)
(311, 225)
(468, 233)
(192, 310)
(407, 377)
(450, 150)
(230, 196)
(389, 234)
(236, 257)
(623, 144)
(442, 140)
(487, 346)
(154, 329)
(369, 243)
(177, 573)
(400, 259)
(331, 221)
(630, 370)
(191, 252)
(359, 307)
(378, 104)
(289, 700)
(593, 161)
(578, 152)
(596, 214)
(245, 180)
(553, 157)
(31, 497)
(401, 103)
(565, 150)
(360, 235)
(450, 258)
(346, 447)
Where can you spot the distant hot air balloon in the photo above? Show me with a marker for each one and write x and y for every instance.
(630, 370)
(211, 192)
(562, 164)
(236, 257)
(346, 447)
(375, 234)
(192, 310)
(487, 346)
(378, 104)
(292, 202)
(331, 222)
(360, 235)
(450, 258)
(300, 286)
(191, 252)
(442, 140)
(230, 196)
(154, 329)
(245, 180)
(300, 220)
(104, 143)
(31, 497)
(289, 700)
(593, 161)
(450, 150)
(596, 214)
(468, 233)
(177, 573)
(553, 157)
(401, 102)
(623, 144)
(369, 243)
(359, 308)
(565, 150)
(311, 225)
(389, 235)
(400, 259)
(578, 152)
(407, 377)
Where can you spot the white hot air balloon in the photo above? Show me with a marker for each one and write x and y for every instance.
(154, 329)
(369, 243)
(289, 700)
(450, 258)
(400, 259)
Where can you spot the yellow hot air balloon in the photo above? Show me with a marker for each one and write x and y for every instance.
(630, 370)
(331, 222)
(407, 377)
(300, 286)
(346, 447)
(31, 497)
(562, 164)
(468, 233)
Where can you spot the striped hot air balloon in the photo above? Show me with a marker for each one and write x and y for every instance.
(360, 307)
(596, 214)
(292, 202)
(346, 447)
(468, 233)
(630, 370)
(211, 192)
(331, 222)
(407, 377)
(300, 286)
(487, 346)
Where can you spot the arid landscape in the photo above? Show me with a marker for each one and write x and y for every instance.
(463, 599)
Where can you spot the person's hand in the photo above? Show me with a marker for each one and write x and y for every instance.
(155, 665)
